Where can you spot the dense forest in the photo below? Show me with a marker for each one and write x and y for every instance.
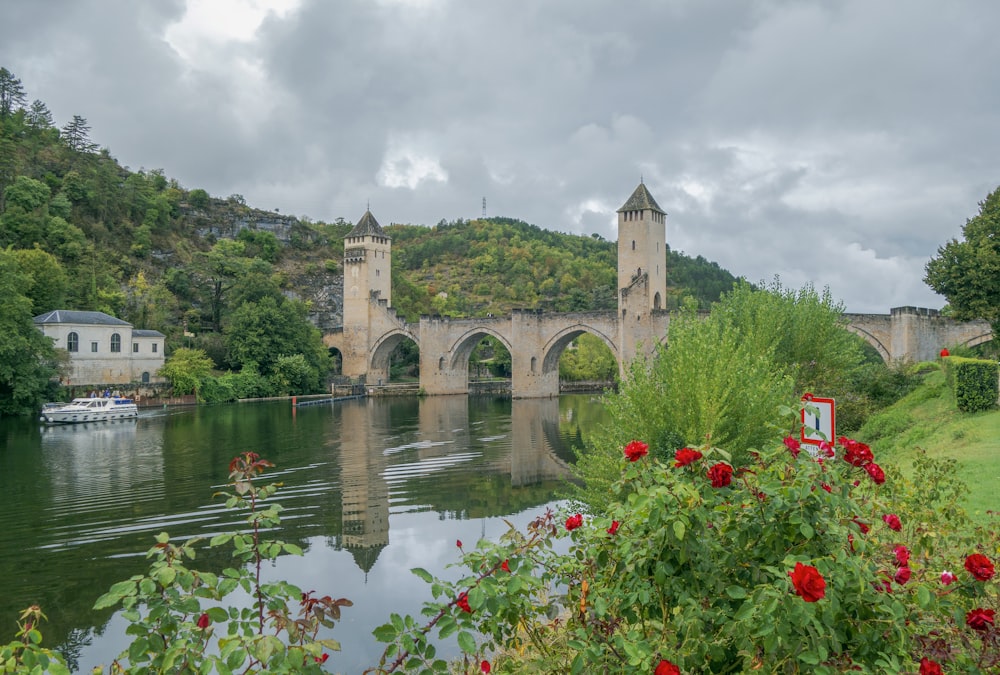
(80, 231)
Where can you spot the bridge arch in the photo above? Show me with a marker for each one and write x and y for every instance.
(462, 348)
(554, 348)
(978, 340)
(872, 340)
(383, 347)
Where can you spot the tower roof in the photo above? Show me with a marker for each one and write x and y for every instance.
(641, 200)
(367, 227)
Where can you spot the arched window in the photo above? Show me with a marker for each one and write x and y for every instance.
(656, 301)
(145, 377)
(534, 363)
(116, 343)
(72, 342)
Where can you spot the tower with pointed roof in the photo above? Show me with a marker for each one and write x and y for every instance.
(367, 283)
(642, 248)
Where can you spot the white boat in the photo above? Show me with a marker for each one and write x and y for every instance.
(103, 409)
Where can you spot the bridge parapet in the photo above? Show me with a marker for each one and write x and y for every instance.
(916, 333)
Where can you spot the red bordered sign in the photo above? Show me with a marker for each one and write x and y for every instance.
(819, 420)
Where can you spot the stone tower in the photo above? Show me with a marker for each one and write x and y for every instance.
(642, 273)
(642, 246)
(367, 283)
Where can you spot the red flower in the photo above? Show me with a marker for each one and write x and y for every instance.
(944, 352)
(685, 456)
(876, 472)
(664, 667)
(721, 475)
(808, 582)
(855, 453)
(902, 575)
(902, 555)
(979, 566)
(203, 621)
(463, 603)
(947, 578)
(321, 659)
(635, 450)
(614, 527)
(928, 667)
(892, 520)
(485, 666)
(574, 522)
(793, 446)
(826, 487)
(979, 619)
(827, 449)
(862, 526)
(458, 543)
(505, 567)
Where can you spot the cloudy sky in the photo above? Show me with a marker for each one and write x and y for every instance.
(834, 142)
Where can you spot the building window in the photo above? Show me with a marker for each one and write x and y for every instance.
(145, 378)
(93, 347)
(135, 347)
(116, 343)
(72, 342)
(155, 347)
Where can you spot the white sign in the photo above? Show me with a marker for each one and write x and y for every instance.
(818, 420)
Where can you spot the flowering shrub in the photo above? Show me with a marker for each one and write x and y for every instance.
(697, 566)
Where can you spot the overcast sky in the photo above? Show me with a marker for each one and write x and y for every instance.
(834, 142)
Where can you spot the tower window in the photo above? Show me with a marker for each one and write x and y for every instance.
(633, 244)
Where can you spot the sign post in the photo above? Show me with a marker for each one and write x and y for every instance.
(818, 420)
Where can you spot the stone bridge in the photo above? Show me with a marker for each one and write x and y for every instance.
(916, 333)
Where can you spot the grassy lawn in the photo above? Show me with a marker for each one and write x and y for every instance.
(928, 419)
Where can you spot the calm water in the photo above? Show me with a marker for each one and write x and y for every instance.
(371, 489)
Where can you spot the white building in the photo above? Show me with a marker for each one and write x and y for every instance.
(102, 349)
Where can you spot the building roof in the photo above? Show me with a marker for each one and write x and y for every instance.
(641, 200)
(74, 316)
(139, 332)
(367, 227)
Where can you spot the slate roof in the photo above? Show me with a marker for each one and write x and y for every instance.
(74, 316)
(367, 227)
(139, 332)
(641, 200)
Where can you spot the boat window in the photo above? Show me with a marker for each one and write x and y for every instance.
(73, 342)
(116, 343)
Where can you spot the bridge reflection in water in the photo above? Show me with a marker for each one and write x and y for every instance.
(370, 489)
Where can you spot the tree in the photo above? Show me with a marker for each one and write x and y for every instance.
(46, 279)
(185, 369)
(12, 95)
(28, 361)
(76, 135)
(967, 272)
(39, 117)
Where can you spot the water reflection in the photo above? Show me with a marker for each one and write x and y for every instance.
(370, 489)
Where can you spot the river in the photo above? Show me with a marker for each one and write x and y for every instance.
(371, 488)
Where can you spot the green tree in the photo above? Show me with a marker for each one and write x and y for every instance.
(219, 270)
(12, 95)
(39, 117)
(589, 360)
(967, 272)
(76, 135)
(28, 361)
(185, 369)
(46, 279)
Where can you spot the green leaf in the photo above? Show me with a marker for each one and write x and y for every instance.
(923, 597)
(466, 642)
(811, 658)
(736, 592)
(220, 539)
(385, 633)
(679, 529)
(806, 530)
(423, 574)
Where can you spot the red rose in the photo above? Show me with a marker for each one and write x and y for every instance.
(855, 453)
(664, 667)
(505, 567)
(463, 603)
(614, 527)
(862, 526)
(902, 575)
(892, 520)
(458, 543)
(827, 449)
(685, 456)
(979, 619)
(203, 621)
(792, 445)
(721, 475)
(928, 667)
(947, 578)
(876, 472)
(808, 582)
(635, 450)
(485, 666)
(902, 555)
(574, 522)
(321, 659)
(979, 566)
(826, 487)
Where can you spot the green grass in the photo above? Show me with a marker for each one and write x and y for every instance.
(928, 419)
